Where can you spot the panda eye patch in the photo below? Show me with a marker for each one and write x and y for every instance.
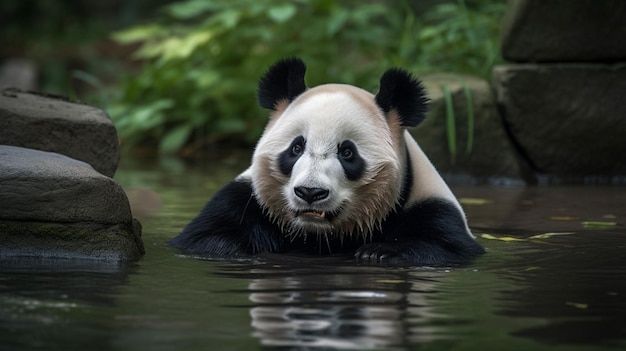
(287, 159)
(352, 163)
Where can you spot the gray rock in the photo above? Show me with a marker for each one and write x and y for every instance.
(568, 119)
(492, 157)
(55, 206)
(52, 124)
(564, 31)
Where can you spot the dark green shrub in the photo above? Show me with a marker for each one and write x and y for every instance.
(203, 58)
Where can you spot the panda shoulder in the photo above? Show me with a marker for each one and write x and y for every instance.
(426, 182)
(245, 176)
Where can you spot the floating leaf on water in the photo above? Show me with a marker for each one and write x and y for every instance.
(501, 238)
(538, 236)
(547, 235)
(474, 201)
(598, 224)
(579, 305)
(564, 218)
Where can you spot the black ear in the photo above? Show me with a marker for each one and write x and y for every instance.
(400, 91)
(283, 81)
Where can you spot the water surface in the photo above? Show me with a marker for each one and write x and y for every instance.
(553, 292)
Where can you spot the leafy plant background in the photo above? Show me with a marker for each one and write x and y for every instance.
(202, 59)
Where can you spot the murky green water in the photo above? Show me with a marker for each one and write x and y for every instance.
(554, 292)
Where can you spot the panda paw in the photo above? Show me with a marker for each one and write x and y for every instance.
(382, 252)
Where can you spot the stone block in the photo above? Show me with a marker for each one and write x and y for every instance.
(567, 119)
(56, 125)
(492, 157)
(55, 206)
(564, 31)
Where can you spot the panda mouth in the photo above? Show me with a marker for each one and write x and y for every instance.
(315, 215)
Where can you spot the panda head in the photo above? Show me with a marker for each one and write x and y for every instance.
(332, 158)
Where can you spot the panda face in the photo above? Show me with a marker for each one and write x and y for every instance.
(328, 163)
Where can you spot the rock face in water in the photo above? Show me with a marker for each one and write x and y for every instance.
(55, 206)
(563, 101)
(53, 124)
(57, 199)
(567, 119)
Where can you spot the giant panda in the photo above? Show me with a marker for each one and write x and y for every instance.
(336, 172)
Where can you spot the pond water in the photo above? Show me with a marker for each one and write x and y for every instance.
(554, 278)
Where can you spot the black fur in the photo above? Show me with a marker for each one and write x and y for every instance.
(432, 232)
(287, 159)
(400, 91)
(283, 81)
(352, 163)
(233, 224)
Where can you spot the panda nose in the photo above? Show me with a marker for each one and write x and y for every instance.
(310, 195)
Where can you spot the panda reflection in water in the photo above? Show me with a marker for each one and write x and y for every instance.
(335, 171)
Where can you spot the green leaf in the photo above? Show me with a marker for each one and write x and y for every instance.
(336, 21)
(450, 123)
(282, 13)
(229, 18)
(474, 201)
(598, 224)
(501, 238)
(548, 235)
(138, 33)
(470, 119)
(175, 139)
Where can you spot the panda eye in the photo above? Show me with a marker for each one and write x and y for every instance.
(346, 154)
(296, 149)
(346, 151)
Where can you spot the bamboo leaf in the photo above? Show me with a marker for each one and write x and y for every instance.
(501, 238)
(548, 235)
(474, 201)
(598, 224)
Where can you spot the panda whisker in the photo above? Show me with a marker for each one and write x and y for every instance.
(330, 250)
(245, 209)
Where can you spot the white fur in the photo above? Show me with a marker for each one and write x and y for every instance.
(427, 182)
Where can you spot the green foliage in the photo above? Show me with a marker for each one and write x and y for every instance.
(202, 59)
(450, 122)
(470, 119)
(461, 36)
